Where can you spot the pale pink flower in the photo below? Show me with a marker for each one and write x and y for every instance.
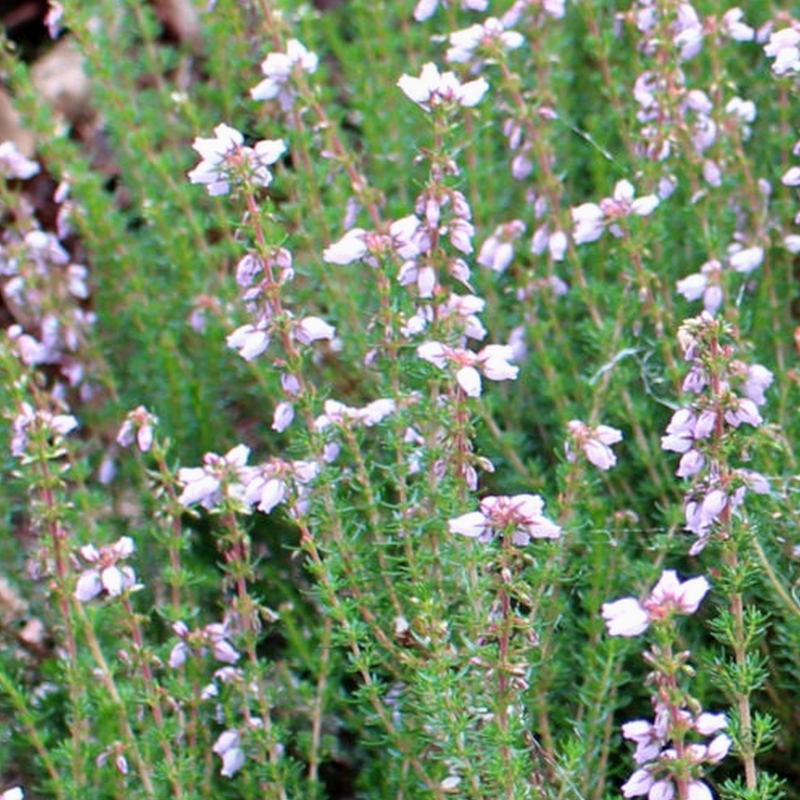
(138, 426)
(791, 177)
(743, 110)
(336, 413)
(213, 637)
(746, 259)
(708, 723)
(757, 380)
(351, 247)
(734, 26)
(649, 738)
(433, 88)
(497, 251)
(313, 329)
(54, 424)
(52, 22)
(742, 410)
(15, 793)
(718, 747)
(493, 361)
(278, 69)
(491, 34)
(688, 30)
(638, 784)
(225, 160)
(698, 790)
(227, 747)
(460, 232)
(591, 219)
(521, 513)
(421, 274)
(704, 284)
(625, 617)
(595, 443)
(466, 308)
(425, 8)
(670, 596)
(273, 482)
(104, 575)
(204, 484)
(13, 164)
(250, 340)
(784, 47)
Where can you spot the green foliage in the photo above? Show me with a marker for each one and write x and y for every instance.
(345, 640)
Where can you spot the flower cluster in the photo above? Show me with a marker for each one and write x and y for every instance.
(666, 758)
(433, 89)
(28, 418)
(260, 278)
(104, 573)
(229, 746)
(673, 113)
(492, 361)
(519, 515)
(264, 486)
(784, 47)
(488, 38)
(660, 763)
(226, 161)
(14, 165)
(278, 69)
(497, 251)
(426, 8)
(46, 291)
(591, 219)
(629, 617)
(138, 427)
(212, 637)
(726, 395)
(595, 442)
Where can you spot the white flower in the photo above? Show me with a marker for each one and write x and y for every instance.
(250, 340)
(595, 443)
(464, 43)
(13, 164)
(625, 617)
(492, 361)
(277, 69)
(745, 260)
(283, 416)
(434, 89)
(312, 329)
(138, 426)
(497, 251)
(203, 484)
(783, 47)
(105, 575)
(351, 247)
(734, 26)
(228, 749)
(425, 8)
(226, 160)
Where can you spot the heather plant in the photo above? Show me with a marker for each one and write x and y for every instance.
(400, 403)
